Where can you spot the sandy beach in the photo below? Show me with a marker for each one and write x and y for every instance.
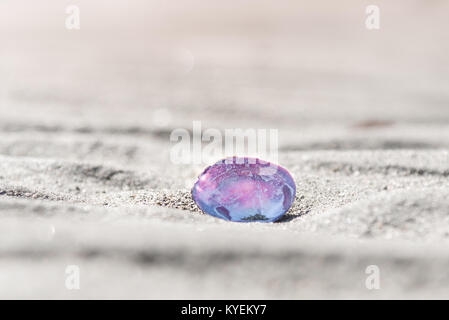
(86, 177)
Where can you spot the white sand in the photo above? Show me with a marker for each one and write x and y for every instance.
(86, 178)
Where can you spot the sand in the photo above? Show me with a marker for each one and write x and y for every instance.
(86, 177)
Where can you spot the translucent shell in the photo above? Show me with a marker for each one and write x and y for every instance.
(245, 190)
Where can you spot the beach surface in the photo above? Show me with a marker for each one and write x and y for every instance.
(86, 177)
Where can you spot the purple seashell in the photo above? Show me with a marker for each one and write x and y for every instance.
(244, 190)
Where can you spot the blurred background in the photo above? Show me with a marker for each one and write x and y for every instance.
(249, 63)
